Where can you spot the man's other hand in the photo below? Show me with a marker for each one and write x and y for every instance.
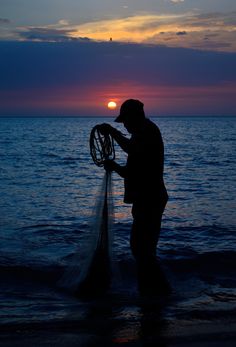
(105, 128)
(109, 165)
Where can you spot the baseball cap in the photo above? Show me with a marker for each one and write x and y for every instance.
(130, 107)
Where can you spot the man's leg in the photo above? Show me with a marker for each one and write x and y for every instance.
(144, 237)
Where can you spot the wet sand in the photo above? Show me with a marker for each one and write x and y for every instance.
(226, 337)
(123, 323)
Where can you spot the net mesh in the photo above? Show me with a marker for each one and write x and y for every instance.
(89, 271)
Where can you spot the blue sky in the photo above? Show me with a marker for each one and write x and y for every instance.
(178, 56)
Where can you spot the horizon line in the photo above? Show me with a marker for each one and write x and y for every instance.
(113, 117)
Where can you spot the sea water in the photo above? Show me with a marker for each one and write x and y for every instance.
(49, 186)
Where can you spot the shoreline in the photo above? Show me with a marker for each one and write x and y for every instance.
(102, 326)
(226, 337)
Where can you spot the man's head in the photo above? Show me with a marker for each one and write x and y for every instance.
(131, 114)
(131, 109)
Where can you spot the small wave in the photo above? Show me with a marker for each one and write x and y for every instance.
(66, 227)
(223, 296)
(71, 158)
(174, 164)
(211, 264)
(62, 158)
(51, 155)
(46, 274)
(39, 226)
(209, 314)
(195, 231)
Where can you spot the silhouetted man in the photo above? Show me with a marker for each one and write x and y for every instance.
(144, 188)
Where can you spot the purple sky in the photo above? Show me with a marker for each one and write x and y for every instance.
(57, 57)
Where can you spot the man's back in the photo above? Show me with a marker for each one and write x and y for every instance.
(144, 178)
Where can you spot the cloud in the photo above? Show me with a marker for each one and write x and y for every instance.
(146, 28)
(4, 21)
(71, 63)
(49, 35)
(181, 33)
(78, 77)
(176, 1)
(63, 22)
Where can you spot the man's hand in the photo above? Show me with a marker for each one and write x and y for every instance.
(109, 165)
(105, 128)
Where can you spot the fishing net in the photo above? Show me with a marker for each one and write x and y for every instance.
(89, 272)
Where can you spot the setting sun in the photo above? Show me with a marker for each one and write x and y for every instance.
(111, 105)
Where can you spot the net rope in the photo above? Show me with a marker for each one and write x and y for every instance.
(101, 146)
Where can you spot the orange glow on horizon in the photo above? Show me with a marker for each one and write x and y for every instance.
(158, 100)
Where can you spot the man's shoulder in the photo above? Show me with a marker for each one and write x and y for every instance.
(151, 127)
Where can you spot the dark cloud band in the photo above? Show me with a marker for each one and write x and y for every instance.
(38, 64)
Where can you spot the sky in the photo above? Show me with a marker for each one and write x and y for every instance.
(72, 57)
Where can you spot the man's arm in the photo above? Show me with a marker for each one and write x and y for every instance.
(112, 165)
(122, 141)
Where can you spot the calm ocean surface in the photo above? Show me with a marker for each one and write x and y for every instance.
(48, 189)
